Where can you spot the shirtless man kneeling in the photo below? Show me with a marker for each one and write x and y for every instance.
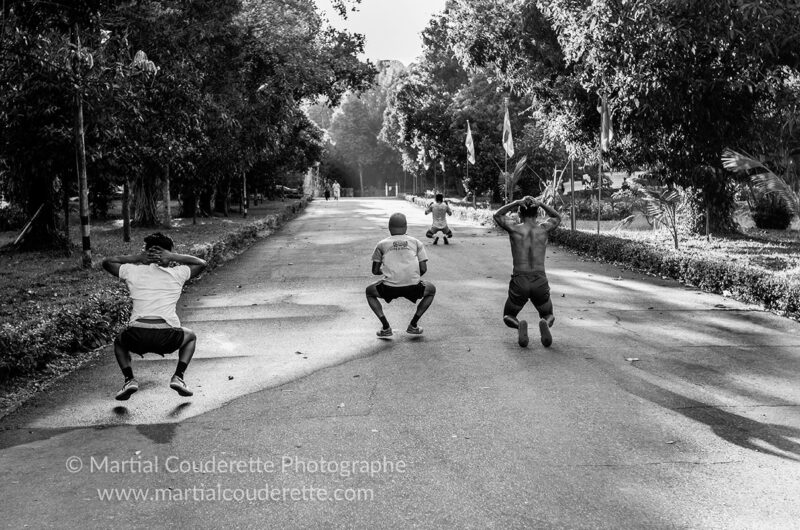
(528, 281)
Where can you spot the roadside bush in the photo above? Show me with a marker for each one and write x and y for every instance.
(770, 212)
(12, 217)
(746, 283)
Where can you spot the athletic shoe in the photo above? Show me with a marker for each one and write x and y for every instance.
(523, 333)
(383, 333)
(413, 330)
(544, 329)
(178, 385)
(436, 240)
(128, 389)
(446, 242)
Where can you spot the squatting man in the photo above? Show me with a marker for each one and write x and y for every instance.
(154, 327)
(402, 261)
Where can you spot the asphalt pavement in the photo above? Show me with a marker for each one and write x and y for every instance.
(657, 405)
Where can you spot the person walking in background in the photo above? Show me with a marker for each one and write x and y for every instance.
(155, 288)
(402, 261)
(337, 190)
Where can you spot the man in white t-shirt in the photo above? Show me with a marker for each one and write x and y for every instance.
(440, 211)
(337, 190)
(402, 260)
(154, 326)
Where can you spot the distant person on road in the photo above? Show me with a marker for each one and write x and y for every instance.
(155, 288)
(337, 190)
(402, 261)
(528, 280)
(440, 210)
(327, 192)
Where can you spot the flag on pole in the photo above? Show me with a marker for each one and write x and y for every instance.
(508, 140)
(470, 145)
(606, 130)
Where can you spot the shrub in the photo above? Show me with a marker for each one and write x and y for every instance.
(747, 283)
(770, 212)
(12, 217)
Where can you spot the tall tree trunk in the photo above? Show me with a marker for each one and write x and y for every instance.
(126, 211)
(65, 206)
(188, 202)
(222, 199)
(145, 199)
(80, 156)
(206, 202)
(244, 194)
(167, 219)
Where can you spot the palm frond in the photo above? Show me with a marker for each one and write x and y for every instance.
(763, 179)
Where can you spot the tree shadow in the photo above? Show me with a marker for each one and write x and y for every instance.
(733, 428)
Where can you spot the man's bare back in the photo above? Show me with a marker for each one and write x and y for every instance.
(528, 238)
(528, 281)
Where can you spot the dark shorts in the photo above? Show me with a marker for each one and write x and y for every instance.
(409, 292)
(531, 286)
(147, 340)
(446, 231)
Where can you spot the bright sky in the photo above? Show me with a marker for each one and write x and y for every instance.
(391, 27)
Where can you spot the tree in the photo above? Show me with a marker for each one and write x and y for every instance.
(685, 79)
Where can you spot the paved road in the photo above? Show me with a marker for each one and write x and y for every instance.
(459, 429)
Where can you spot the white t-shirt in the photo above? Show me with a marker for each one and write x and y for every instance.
(337, 189)
(155, 290)
(439, 211)
(400, 257)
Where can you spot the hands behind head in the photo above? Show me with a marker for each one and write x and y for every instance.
(156, 254)
(529, 201)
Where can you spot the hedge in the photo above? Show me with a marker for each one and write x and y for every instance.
(743, 282)
(29, 345)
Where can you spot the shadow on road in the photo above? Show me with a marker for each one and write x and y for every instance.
(733, 428)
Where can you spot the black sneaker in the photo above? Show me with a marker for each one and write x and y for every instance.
(413, 330)
(178, 385)
(436, 240)
(523, 333)
(544, 329)
(128, 389)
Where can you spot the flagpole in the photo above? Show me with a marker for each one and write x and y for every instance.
(572, 193)
(599, 188)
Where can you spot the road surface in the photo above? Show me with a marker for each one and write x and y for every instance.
(657, 406)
